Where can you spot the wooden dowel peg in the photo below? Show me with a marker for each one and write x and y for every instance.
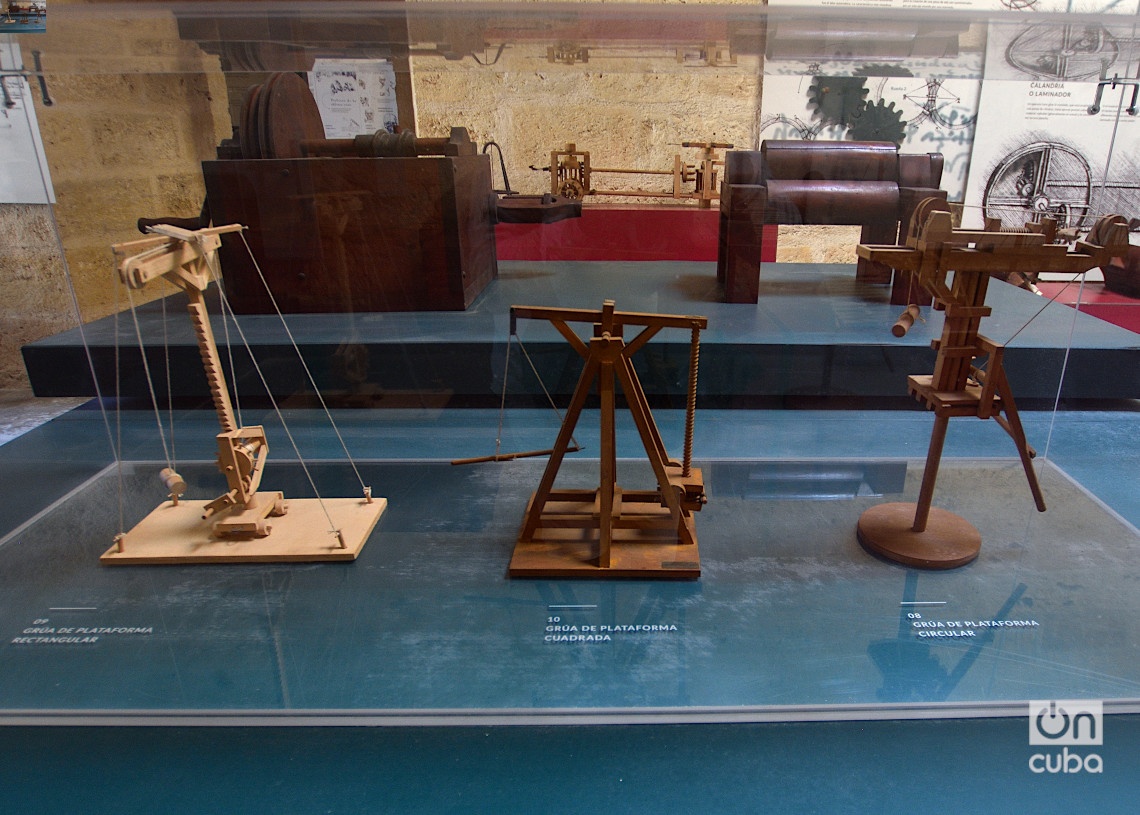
(905, 321)
(175, 484)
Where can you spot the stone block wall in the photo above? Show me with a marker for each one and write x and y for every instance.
(628, 112)
(135, 111)
(37, 300)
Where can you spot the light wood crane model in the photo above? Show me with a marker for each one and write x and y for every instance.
(235, 526)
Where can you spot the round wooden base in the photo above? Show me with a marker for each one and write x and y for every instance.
(947, 542)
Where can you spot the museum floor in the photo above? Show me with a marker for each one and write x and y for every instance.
(798, 674)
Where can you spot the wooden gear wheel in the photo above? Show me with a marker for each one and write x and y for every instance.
(572, 188)
(277, 116)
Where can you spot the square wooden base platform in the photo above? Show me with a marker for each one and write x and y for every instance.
(178, 534)
(643, 547)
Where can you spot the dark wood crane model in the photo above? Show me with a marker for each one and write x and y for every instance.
(608, 531)
(954, 266)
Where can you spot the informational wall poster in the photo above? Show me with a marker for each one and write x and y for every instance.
(928, 106)
(354, 96)
(1039, 150)
(24, 176)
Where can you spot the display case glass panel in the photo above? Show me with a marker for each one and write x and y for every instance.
(449, 211)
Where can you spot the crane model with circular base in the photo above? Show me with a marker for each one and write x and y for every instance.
(954, 265)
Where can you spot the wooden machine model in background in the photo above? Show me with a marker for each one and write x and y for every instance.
(381, 223)
(954, 266)
(572, 175)
(234, 527)
(787, 181)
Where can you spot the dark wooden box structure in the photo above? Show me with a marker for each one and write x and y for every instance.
(356, 234)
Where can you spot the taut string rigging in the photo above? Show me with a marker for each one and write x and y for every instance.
(242, 453)
(498, 455)
(300, 356)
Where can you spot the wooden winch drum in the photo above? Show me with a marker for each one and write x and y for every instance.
(921, 169)
(832, 160)
(832, 202)
(744, 167)
(383, 144)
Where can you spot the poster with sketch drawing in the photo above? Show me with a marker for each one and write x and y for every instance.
(1060, 52)
(24, 176)
(1038, 150)
(923, 108)
(354, 96)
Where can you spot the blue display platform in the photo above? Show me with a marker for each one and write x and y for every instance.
(797, 680)
(790, 619)
(815, 332)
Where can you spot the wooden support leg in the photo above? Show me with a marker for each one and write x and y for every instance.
(639, 410)
(930, 474)
(608, 464)
(1017, 433)
(561, 444)
(634, 393)
(937, 539)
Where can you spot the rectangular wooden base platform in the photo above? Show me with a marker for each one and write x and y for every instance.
(178, 534)
(644, 546)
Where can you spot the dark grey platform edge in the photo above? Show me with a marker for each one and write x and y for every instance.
(815, 333)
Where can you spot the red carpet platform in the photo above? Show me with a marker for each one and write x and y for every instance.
(1099, 302)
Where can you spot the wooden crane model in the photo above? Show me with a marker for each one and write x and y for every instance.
(916, 534)
(610, 532)
(182, 531)
(571, 175)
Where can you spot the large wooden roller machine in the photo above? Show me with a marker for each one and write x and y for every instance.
(870, 184)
